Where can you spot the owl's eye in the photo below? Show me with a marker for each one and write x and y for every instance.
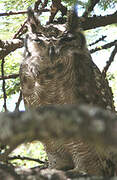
(39, 41)
(67, 38)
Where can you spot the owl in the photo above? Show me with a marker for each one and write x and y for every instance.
(58, 69)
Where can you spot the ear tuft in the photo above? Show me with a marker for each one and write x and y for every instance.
(30, 12)
(34, 24)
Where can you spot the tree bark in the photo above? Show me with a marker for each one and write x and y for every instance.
(95, 125)
(7, 47)
(61, 121)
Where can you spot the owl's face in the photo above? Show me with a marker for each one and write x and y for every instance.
(51, 47)
(39, 45)
(47, 43)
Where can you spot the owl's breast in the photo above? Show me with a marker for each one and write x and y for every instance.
(47, 83)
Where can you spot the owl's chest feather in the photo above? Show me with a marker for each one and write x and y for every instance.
(48, 83)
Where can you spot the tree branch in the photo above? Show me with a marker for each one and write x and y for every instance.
(18, 102)
(106, 46)
(94, 125)
(91, 7)
(12, 76)
(97, 126)
(100, 39)
(7, 47)
(57, 6)
(26, 158)
(21, 31)
(98, 21)
(108, 63)
(3, 85)
(21, 12)
(37, 3)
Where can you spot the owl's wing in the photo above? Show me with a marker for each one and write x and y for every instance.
(28, 75)
(91, 86)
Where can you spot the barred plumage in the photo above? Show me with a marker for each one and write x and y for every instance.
(60, 70)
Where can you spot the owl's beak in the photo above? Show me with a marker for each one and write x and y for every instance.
(51, 53)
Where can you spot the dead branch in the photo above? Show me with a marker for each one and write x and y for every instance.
(7, 47)
(91, 7)
(12, 76)
(100, 39)
(3, 85)
(106, 46)
(108, 63)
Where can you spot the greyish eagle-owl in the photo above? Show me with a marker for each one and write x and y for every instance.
(58, 69)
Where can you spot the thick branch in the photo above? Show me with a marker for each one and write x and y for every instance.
(95, 125)
(7, 47)
(98, 21)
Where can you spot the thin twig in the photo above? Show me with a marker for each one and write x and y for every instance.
(18, 102)
(108, 63)
(106, 46)
(44, 4)
(12, 76)
(100, 39)
(13, 13)
(3, 85)
(21, 12)
(37, 3)
(20, 30)
(26, 158)
(57, 6)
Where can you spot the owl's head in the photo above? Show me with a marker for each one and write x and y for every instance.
(40, 40)
(51, 41)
